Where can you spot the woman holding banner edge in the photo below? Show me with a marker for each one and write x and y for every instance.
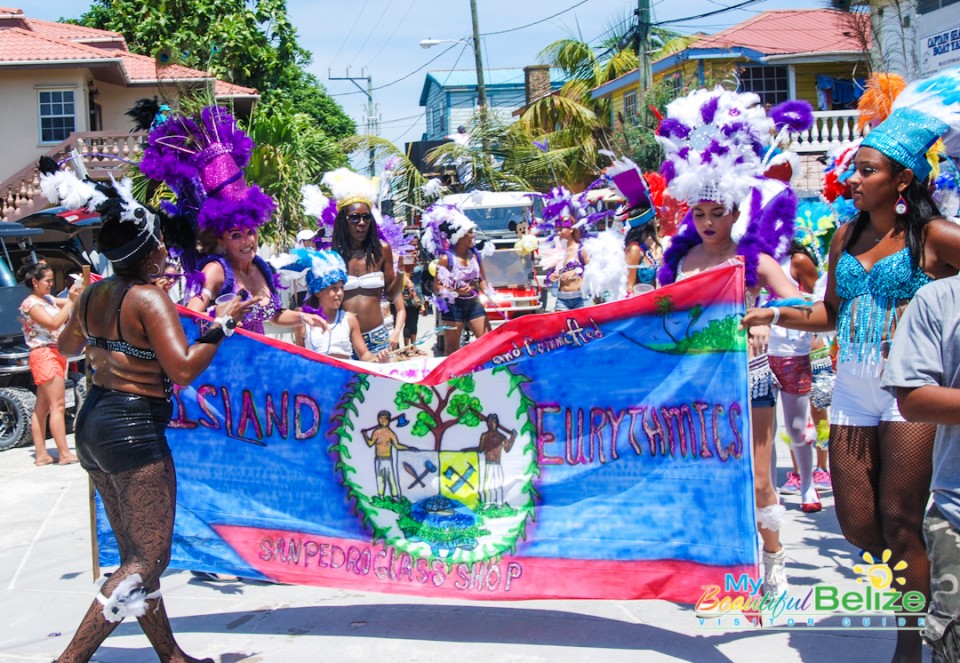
(717, 145)
(880, 464)
(138, 350)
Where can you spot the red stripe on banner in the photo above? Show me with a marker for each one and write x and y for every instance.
(719, 285)
(308, 559)
(723, 284)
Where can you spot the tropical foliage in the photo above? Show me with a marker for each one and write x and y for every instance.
(250, 43)
(291, 151)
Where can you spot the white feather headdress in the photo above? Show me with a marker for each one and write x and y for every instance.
(714, 141)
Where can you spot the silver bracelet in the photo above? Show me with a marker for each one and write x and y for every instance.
(776, 315)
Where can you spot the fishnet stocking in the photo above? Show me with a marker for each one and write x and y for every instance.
(140, 506)
(881, 482)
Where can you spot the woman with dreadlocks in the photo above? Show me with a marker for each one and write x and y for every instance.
(371, 271)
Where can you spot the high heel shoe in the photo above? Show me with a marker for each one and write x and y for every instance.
(812, 507)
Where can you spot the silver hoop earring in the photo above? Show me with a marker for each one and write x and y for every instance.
(154, 275)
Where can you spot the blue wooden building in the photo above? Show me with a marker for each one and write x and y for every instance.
(450, 97)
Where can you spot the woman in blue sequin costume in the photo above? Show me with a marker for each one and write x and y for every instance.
(881, 464)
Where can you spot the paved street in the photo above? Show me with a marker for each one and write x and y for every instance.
(46, 585)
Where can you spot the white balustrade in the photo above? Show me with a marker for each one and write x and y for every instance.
(830, 130)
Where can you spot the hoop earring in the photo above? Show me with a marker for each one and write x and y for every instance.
(150, 274)
(901, 206)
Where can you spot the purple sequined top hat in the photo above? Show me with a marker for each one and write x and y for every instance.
(201, 158)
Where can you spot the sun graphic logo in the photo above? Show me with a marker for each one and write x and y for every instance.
(879, 573)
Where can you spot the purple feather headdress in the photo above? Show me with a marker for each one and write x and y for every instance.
(443, 226)
(391, 231)
(559, 206)
(323, 209)
(201, 158)
(769, 216)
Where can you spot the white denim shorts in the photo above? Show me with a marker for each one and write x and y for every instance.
(858, 399)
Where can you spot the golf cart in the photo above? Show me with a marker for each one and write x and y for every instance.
(17, 390)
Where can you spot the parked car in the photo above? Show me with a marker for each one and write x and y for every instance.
(64, 239)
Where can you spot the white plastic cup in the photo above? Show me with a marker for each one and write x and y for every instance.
(225, 298)
(641, 288)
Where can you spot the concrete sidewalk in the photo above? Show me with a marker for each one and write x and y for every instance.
(46, 586)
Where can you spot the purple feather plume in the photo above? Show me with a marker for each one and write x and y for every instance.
(709, 109)
(795, 114)
(673, 128)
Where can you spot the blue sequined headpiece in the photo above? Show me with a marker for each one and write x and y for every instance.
(905, 136)
(324, 268)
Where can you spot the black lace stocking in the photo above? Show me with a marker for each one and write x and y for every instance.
(140, 506)
(881, 483)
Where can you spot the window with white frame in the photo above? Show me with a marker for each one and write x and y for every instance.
(58, 114)
(630, 107)
(768, 82)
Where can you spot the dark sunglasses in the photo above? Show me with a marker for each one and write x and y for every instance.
(357, 218)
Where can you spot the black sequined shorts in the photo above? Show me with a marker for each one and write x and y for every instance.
(118, 431)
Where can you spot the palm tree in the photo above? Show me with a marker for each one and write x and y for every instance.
(406, 183)
(695, 312)
(488, 171)
(291, 151)
(570, 122)
(665, 307)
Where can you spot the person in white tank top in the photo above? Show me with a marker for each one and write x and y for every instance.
(326, 276)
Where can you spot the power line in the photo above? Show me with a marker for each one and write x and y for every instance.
(402, 78)
(383, 43)
(370, 32)
(542, 20)
(349, 32)
(723, 10)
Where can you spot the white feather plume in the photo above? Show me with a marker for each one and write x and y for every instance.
(605, 274)
(938, 96)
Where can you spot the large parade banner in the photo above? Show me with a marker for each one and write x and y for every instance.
(599, 453)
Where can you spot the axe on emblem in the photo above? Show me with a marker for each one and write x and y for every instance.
(462, 479)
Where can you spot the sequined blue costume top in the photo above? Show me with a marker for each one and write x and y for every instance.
(869, 303)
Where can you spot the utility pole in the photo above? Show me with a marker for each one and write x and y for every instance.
(645, 78)
(371, 111)
(481, 89)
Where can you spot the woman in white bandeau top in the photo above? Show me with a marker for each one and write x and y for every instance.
(371, 274)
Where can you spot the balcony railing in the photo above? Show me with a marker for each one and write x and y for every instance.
(830, 131)
(102, 152)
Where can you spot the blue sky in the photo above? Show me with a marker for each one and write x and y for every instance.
(381, 38)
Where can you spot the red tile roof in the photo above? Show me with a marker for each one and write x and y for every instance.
(787, 31)
(142, 69)
(70, 31)
(223, 89)
(47, 42)
(21, 46)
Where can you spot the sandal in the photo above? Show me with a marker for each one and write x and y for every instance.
(40, 462)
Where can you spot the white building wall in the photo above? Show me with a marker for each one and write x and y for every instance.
(20, 112)
(938, 39)
(894, 25)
